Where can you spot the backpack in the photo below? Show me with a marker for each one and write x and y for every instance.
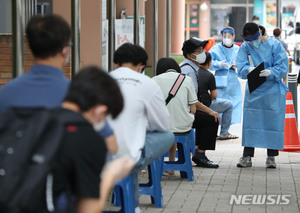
(29, 141)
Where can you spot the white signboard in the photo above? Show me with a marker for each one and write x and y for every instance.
(105, 45)
(124, 32)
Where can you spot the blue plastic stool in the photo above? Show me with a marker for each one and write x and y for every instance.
(123, 195)
(184, 162)
(153, 187)
(191, 144)
(192, 141)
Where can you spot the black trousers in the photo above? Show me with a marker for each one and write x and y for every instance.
(249, 151)
(206, 131)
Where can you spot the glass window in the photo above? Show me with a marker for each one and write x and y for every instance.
(5, 16)
(228, 16)
(231, 1)
(192, 12)
(194, 20)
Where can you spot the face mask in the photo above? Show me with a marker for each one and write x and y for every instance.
(200, 58)
(256, 43)
(227, 42)
(98, 126)
(256, 21)
(67, 58)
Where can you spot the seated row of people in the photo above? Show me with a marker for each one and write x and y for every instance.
(133, 102)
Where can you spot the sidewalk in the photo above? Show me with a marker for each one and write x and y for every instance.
(212, 188)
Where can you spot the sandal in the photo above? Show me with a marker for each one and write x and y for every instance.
(227, 137)
(168, 173)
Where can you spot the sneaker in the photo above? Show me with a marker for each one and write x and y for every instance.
(138, 210)
(270, 162)
(245, 162)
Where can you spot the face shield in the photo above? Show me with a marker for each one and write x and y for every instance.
(227, 35)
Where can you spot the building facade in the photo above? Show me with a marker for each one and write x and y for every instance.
(200, 18)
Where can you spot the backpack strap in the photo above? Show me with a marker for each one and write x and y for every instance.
(175, 88)
(187, 64)
(195, 71)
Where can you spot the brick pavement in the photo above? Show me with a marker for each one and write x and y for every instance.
(212, 188)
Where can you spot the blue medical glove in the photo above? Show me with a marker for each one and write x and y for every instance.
(264, 73)
(224, 64)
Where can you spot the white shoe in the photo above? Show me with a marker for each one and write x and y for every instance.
(138, 210)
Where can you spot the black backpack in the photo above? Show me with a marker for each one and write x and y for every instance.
(29, 141)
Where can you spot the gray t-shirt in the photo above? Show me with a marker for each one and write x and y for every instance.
(283, 43)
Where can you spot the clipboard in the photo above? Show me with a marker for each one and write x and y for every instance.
(254, 81)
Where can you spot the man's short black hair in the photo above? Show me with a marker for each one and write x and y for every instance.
(189, 46)
(263, 30)
(130, 53)
(207, 60)
(250, 29)
(47, 35)
(165, 64)
(92, 86)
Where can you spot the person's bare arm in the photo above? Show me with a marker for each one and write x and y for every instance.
(203, 108)
(111, 143)
(214, 94)
(192, 108)
(113, 172)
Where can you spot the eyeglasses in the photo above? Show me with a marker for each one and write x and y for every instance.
(199, 51)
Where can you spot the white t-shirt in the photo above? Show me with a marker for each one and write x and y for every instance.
(181, 118)
(144, 110)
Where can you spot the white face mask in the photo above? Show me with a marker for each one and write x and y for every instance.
(98, 126)
(227, 42)
(200, 58)
(67, 58)
(256, 22)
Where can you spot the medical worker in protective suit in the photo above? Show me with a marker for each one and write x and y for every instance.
(223, 63)
(264, 108)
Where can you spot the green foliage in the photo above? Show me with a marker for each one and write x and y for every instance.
(148, 71)
(177, 58)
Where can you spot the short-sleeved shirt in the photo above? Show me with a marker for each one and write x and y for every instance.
(206, 82)
(43, 86)
(190, 69)
(106, 131)
(80, 160)
(283, 43)
(178, 107)
(144, 110)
